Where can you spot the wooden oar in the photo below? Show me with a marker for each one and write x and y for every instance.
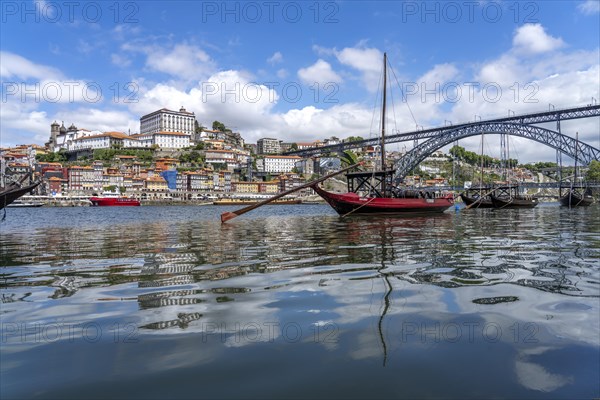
(480, 199)
(226, 216)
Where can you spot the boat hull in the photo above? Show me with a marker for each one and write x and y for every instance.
(474, 202)
(352, 203)
(13, 192)
(24, 205)
(513, 202)
(572, 199)
(113, 201)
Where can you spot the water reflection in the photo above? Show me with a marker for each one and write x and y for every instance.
(380, 290)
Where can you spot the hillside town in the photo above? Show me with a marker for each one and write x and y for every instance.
(173, 157)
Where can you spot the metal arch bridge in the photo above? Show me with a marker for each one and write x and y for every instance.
(517, 125)
(565, 144)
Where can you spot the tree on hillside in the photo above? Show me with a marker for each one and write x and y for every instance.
(218, 126)
(593, 172)
(51, 157)
(354, 139)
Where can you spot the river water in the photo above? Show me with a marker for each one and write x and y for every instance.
(294, 302)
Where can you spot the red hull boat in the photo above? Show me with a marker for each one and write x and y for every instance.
(374, 192)
(113, 201)
(352, 203)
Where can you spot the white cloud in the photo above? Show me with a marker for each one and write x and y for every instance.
(282, 73)
(505, 70)
(15, 66)
(319, 72)
(23, 124)
(276, 58)
(100, 119)
(119, 60)
(84, 47)
(122, 32)
(440, 73)
(532, 38)
(589, 7)
(323, 51)
(369, 61)
(183, 62)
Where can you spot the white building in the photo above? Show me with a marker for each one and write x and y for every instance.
(165, 120)
(165, 140)
(277, 164)
(105, 140)
(226, 157)
(62, 138)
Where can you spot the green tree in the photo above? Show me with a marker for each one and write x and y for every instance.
(294, 146)
(218, 126)
(593, 172)
(349, 158)
(354, 139)
(51, 157)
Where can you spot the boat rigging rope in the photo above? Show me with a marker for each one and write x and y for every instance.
(404, 97)
(358, 208)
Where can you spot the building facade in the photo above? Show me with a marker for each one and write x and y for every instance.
(277, 164)
(268, 146)
(105, 140)
(165, 140)
(165, 120)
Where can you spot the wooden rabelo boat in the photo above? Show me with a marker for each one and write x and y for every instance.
(577, 197)
(14, 190)
(377, 201)
(368, 192)
(374, 192)
(509, 197)
(477, 198)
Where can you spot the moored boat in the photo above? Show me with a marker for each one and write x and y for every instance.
(20, 203)
(477, 198)
(510, 197)
(14, 190)
(346, 203)
(517, 201)
(374, 192)
(575, 197)
(110, 199)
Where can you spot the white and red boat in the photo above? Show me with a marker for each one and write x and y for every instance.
(109, 199)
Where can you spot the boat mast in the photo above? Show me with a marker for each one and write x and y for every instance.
(576, 148)
(383, 112)
(481, 177)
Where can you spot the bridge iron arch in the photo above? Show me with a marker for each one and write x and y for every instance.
(560, 142)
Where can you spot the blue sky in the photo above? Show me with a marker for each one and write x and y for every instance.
(298, 71)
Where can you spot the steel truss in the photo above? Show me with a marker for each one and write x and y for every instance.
(562, 143)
